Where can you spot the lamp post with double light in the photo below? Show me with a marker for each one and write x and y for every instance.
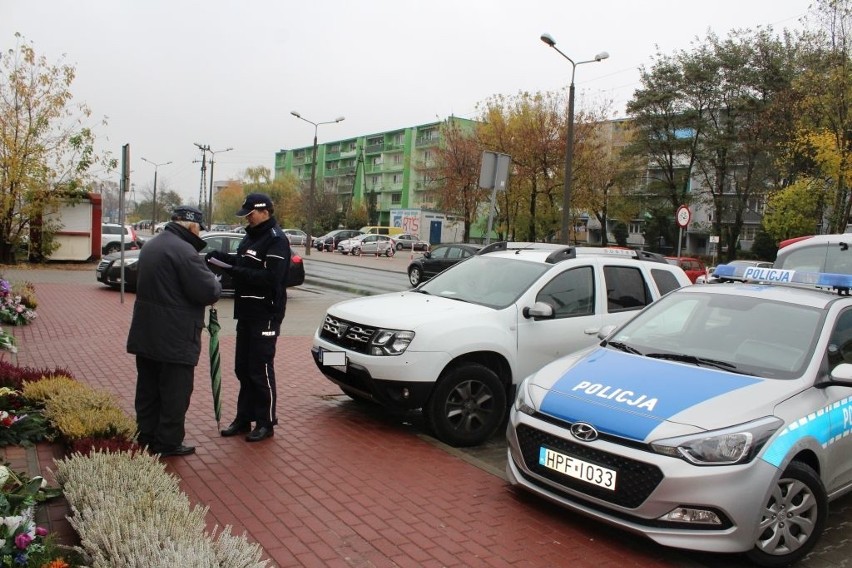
(210, 197)
(310, 217)
(154, 207)
(569, 151)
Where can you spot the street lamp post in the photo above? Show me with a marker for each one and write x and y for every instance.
(569, 151)
(154, 206)
(310, 220)
(210, 198)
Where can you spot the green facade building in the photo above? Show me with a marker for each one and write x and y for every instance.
(382, 171)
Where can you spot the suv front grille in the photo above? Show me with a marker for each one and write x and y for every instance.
(636, 480)
(347, 334)
(102, 265)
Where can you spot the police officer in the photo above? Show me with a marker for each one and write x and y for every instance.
(173, 287)
(259, 271)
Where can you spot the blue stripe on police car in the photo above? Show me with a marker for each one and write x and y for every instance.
(628, 396)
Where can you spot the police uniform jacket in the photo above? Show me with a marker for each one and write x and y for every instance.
(259, 271)
(173, 287)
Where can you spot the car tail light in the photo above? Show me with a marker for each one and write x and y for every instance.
(296, 258)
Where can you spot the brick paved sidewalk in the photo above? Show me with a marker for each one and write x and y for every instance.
(339, 484)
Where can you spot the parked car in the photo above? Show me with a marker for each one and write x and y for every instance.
(407, 241)
(817, 253)
(329, 241)
(457, 345)
(111, 237)
(715, 420)
(368, 244)
(439, 258)
(109, 269)
(692, 266)
(296, 236)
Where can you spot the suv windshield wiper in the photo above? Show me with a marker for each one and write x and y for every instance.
(624, 347)
(700, 361)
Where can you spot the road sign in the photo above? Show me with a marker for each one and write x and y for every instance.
(494, 171)
(683, 216)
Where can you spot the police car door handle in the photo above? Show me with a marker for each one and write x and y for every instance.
(591, 330)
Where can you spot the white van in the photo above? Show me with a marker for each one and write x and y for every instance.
(817, 253)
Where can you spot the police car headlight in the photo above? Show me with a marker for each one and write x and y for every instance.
(390, 342)
(738, 444)
(129, 261)
(523, 401)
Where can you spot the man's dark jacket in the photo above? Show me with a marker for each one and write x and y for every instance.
(173, 286)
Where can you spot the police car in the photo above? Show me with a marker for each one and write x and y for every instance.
(717, 419)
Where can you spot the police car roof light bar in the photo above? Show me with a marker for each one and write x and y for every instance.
(840, 282)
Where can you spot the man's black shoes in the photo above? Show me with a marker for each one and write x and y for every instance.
(260, 433)
(179, 450)
(236, 428)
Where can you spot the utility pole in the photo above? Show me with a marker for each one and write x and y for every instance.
(204, 149)
(210, 200)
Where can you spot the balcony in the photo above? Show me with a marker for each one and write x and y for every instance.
(374, 148)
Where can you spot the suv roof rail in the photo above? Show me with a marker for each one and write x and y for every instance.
(652, 256)
(560, 252)
(565, 252)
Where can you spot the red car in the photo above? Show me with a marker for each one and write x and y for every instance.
(692, 266)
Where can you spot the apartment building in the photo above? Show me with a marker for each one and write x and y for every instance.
(383, 171)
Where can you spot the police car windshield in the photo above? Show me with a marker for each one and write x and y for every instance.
(752, 335)
(485, 280)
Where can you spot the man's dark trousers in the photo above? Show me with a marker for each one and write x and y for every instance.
(167, 387)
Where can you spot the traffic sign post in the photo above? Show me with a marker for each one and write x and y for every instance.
(683, 217)
(493, 175)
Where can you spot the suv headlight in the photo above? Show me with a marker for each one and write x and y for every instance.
(390, 342)
(128, 261)
(737, 444)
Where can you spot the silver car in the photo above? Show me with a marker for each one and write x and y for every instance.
(717, 419)
(296, 237)
(368, 244)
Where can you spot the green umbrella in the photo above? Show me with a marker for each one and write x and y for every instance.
(215, 364)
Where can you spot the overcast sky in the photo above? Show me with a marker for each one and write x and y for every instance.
(169, 73)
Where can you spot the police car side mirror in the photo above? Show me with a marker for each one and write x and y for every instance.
(538, 310)
(841, 375)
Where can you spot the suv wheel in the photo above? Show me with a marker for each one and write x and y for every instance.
(414, 275)
(111, 248)
(467, 406)
(389, 251)
(793, 518)
(398, 246)
(356, 251)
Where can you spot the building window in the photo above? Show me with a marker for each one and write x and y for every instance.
(397, 159)
(396, 198)
(397, 178)
(634, 228)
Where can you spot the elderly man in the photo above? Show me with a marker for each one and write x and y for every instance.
(173, 287)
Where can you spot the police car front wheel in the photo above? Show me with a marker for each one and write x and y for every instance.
(792, 519)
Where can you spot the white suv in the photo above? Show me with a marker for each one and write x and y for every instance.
(111, 238)
(457, 345)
